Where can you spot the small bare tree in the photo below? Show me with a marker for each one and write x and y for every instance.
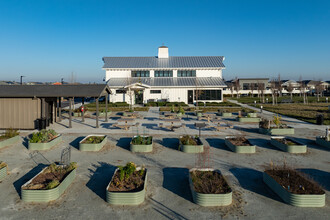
(130, 92)
(290, 89)
(252, 87)
(279, 85)
(261, 89)
(236, 86)
(319, 89)
(303, 90)
(231, 87)
(273, 89)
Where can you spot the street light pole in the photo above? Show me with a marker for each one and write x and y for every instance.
(22, 80)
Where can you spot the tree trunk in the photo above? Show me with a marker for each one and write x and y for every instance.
(291, 96)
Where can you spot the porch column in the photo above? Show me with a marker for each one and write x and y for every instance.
(106, 108)
(83, 112)
(60, 109)
(97, 112)
(70, 112)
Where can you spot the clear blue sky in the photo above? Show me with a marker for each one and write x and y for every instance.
(47, 40)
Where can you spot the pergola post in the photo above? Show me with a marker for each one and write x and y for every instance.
(97, 112)
(70, 112)
(106, 108)
(42, 107)
(83, 112)
(60, 109)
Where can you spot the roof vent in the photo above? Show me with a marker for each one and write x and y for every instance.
(162, 52)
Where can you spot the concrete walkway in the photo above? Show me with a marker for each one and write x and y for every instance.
(293, 121)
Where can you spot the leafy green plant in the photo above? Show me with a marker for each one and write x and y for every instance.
(142, 140)
(126, 171)
(94, 140)
(181, 110)
(43, 136)
(53, 184)
(2, 164)
(188, 140)
(172, 109)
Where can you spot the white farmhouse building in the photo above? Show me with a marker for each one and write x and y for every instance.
(165, 78)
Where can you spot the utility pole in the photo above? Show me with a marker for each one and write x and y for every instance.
(22, 80)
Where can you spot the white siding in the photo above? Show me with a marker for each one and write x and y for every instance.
(209, 73)
(117, 74)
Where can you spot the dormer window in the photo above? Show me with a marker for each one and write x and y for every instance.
(141, 73)
(163, 73)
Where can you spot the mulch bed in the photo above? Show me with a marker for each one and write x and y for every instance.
(294, 182)
(209, 182)
(134, 183)
(240, 141)
(43, 179)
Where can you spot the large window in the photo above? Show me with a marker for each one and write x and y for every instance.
(120, 91)
(186, 73)
(208, 94)
(155, 91)
(140, 74)
(163, 73)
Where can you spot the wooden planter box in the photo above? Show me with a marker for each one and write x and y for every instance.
(320, 140)
(141, 147)
(92, 147)
(247, 119)
(45, 146)
(209, 199)
(47, 195)
(3, 173)
(295, 149)
(240, 149)
(192, 148)
(299, 200)
(277, 131)
(9, 141)
(126, 198)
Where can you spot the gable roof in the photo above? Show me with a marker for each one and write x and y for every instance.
(168, 63)
(48, 91)
(169, 81)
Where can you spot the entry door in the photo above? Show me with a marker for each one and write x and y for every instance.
(190, 97)
(139, 97)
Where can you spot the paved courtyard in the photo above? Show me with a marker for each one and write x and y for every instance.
(168, 194)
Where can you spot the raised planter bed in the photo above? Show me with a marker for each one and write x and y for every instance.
(9, 141)
(3, 170)
(277, 131)
(132, 197)
(248, 120)
(93, 142)
(226, 114)
(45, 146)
(46, 195)
(308, 195)
(141, 144)
(288, 145)
(244, 146)
(223, 195)
(195, 146)
(320, 140)
(251, 115)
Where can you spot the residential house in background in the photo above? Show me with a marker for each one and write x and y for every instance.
(139, 80)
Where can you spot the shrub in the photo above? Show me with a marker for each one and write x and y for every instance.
(181, 110)
(172, 109)
(94, 140)
(2, 164)
(142, 140)
(277, 120)
(126, 171)
(53, 184)
(9, 133)
(43, 136)
(188, 140)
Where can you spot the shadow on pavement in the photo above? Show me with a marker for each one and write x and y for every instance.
(75, 142)
(124, 143)
(319, 176)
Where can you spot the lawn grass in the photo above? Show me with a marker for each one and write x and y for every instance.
(295, 99)
(302, 112)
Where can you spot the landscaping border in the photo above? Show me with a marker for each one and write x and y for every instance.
(277, 131)
(291, 198)
(92, 147)
(203, 199)
(294, 149)
(191, 148)
(126, 198)
(145, 148)
(45, 146)
(31, 195)
(9, 141)
(248, 120)
(320, 140)
(240, 149)
(3, 172)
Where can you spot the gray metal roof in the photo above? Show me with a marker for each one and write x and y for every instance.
(82, 90)
(163, 63)
(169, 81)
